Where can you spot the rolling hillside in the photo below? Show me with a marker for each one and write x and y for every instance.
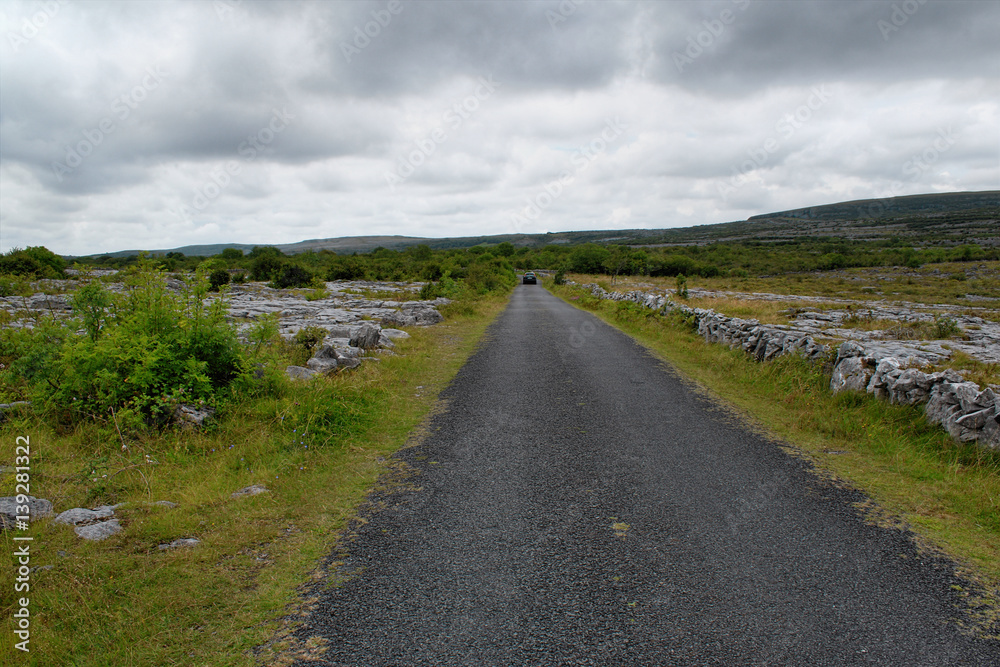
(946, 219)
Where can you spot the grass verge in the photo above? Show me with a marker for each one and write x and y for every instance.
(948, 494)
(318, 448)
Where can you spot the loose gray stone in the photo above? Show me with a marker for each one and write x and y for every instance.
(320, 365)
(37, 508)
(850, 349)
(252, 490)
(98, 531)
(299, 373)
(165, 503)
(192, 416)
(79, 515)
(182, 542)
(395, 334)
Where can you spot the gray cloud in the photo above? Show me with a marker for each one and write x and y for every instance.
(166, 123)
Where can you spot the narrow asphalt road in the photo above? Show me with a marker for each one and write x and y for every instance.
(578, 504)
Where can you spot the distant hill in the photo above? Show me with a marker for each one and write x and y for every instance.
(932, 219)
(893, 207)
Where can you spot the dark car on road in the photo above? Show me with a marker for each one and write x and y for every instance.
(529, 279)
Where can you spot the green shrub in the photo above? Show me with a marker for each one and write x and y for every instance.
(560, 277)
(446, 287)
(346, 268)
(946, 327)
(490, 275)
(266, 263)
(14, 285)
(292, 276)
(145, 351)
(682, 286)
(218, 278)
(33, 262)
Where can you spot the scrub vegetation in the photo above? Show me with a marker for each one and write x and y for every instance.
(104, 385)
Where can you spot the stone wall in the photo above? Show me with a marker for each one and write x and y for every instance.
(970, 414)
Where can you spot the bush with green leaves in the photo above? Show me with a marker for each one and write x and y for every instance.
(218, 278)
(946, 327)
(33, 262)
(446, 287)
(490, 274)
(292, 275)
(142, 352)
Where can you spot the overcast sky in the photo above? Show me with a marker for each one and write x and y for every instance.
(161, 124)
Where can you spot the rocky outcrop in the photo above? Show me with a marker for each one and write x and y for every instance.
(967, 412)
(344, 348)
(414, 314)
(341, 303)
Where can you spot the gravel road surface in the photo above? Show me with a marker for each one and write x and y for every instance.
(578, 503)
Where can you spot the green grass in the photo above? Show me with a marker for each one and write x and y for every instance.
(949, 494)
(319, 448)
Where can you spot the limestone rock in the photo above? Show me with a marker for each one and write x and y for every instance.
(850, 349)
(319, 365)
(395, 334)
(98, 531)
(849, 374)
(37, 508)
(252, 490)
(79, 515)
(367, 336)
(181, 542)
(192, 416)
(299, 373)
